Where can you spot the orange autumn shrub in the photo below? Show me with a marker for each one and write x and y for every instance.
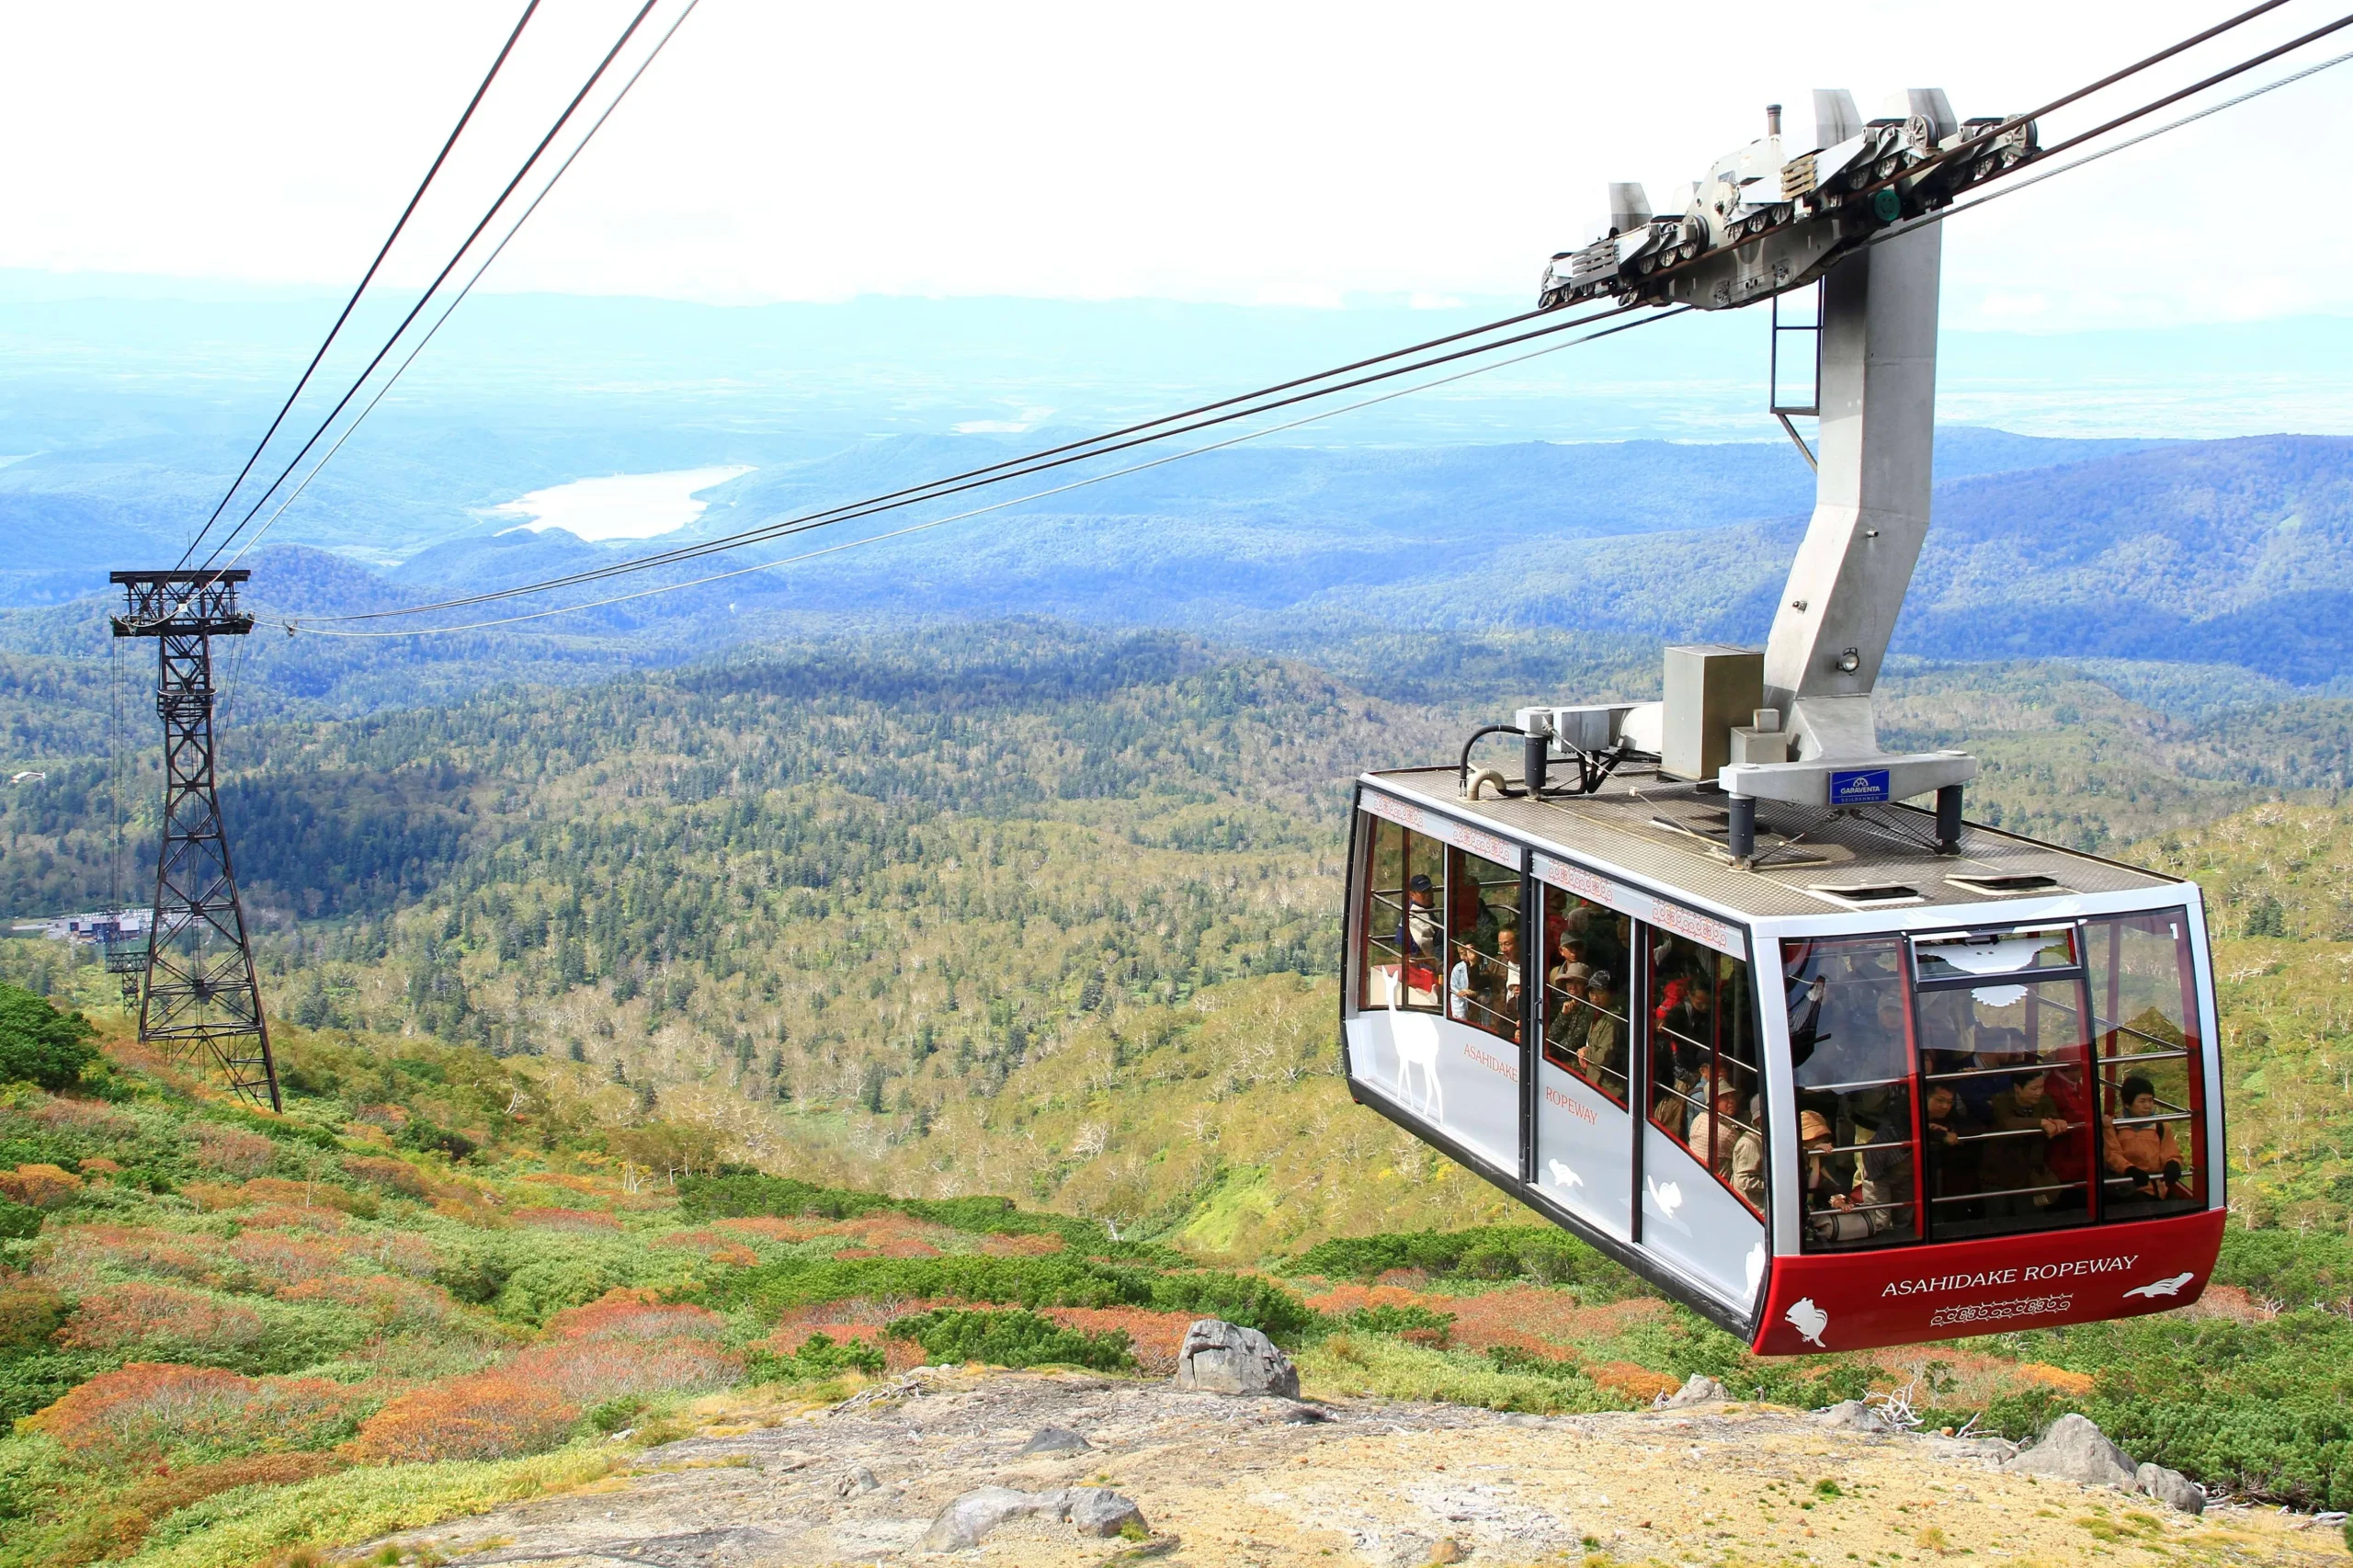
(1155, 1336)
(138, 1249)
(214, 1197)
(393, 1176)
(563, 1179)
(290, 1217)
(138, 1314)
(626, 1343)
(389, 1302)
(29, 1314)
(40, 1187)
(386, 1116)
(155, 1407)
(566, 1220)
(84, 1116)
(116, 1526)
(286, 1260)
(99, 1166)
(736, 1256)
(1638, 1383)
(2058, 1378)
(769, 1228)
(276, 1190)
(484, 1416)
(231, 1150)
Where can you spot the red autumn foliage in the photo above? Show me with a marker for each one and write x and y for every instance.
(233, 1149)
(97, 1166)
(84, 1116)
(116, 1527)
(287, 1260)
(393, 1176)
(568, 1220)
(40, 1187)
(139, 1248)
(214, 1198)
(389, 1302)
(138, 1314)
(153, 1407)
(1156, 1337)
(291, 1217)
(301, 1194)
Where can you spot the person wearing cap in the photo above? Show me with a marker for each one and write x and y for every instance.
(1601, 1059)
(2142, 1150)
(1418, 937)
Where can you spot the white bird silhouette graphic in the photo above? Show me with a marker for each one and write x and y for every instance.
(1668, 1195)
(1809, 1321)
(2169, 1285)
(1564, 1176)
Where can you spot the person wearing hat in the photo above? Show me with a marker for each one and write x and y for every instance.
(1829, 1205)
(1736, 1152)
(1567, 1016)
(2142, 1151)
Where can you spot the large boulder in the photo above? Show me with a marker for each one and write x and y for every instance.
(1698, 1389)
(1224, 1358)
(2075, 1450)
(1095, 1510)
(2170, 1487)
(1098, 1510)
(1852, 1415)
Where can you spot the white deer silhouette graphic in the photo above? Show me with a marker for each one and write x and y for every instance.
(1415, 1038)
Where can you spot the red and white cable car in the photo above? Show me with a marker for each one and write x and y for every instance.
(1694, 982)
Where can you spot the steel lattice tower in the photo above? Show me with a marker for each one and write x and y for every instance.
(201, 997)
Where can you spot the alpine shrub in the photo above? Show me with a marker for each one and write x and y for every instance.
(40, 1045)
(1010, 1338)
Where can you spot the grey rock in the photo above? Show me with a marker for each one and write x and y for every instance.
(2075, 1450)
(854, 1481)
(1851, 1416)
(962, 1523)
(1056, 1440)
(2170, 1487)
(1698, 1389)
(1098, 1510)
(1223, 1357)
(1305, 1415)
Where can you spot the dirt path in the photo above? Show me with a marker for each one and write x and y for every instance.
(1248, 1482)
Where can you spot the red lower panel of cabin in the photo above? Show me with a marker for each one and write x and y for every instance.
(1954, 1290)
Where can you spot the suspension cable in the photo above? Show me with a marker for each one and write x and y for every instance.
(365, 278)
(442, 277)
(1000, 506)
(1036, 462)
(513, 229)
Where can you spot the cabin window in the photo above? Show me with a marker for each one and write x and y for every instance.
(2153, 1133)
(1851, 1058)
(1403, 952)
(1483, 953)
(1707, 1091)
(1587, 947)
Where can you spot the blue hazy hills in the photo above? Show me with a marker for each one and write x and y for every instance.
(120, 417)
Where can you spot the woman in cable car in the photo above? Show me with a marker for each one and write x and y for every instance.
(1824, 1126)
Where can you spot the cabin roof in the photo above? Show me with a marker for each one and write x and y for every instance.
(1673, 834)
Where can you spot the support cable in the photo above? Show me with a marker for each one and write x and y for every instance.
(442, 277)
(1036, 463)
(440, 321)
(365, 278)
(1000, 506)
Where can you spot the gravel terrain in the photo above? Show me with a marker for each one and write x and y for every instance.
(1267, 1481)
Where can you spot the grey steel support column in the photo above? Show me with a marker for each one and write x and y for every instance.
(1949, 820)
(202, 999)
(1740, 837)
(1877, 404)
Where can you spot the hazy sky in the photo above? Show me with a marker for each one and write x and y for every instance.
(1296, 153)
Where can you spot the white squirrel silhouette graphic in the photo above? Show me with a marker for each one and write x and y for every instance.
(1808, 1320)
(2169, 1285)
(1564, 1176)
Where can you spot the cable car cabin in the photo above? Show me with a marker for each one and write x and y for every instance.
(1861, 1092)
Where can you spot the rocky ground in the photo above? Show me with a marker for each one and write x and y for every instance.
(1242, 1481)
